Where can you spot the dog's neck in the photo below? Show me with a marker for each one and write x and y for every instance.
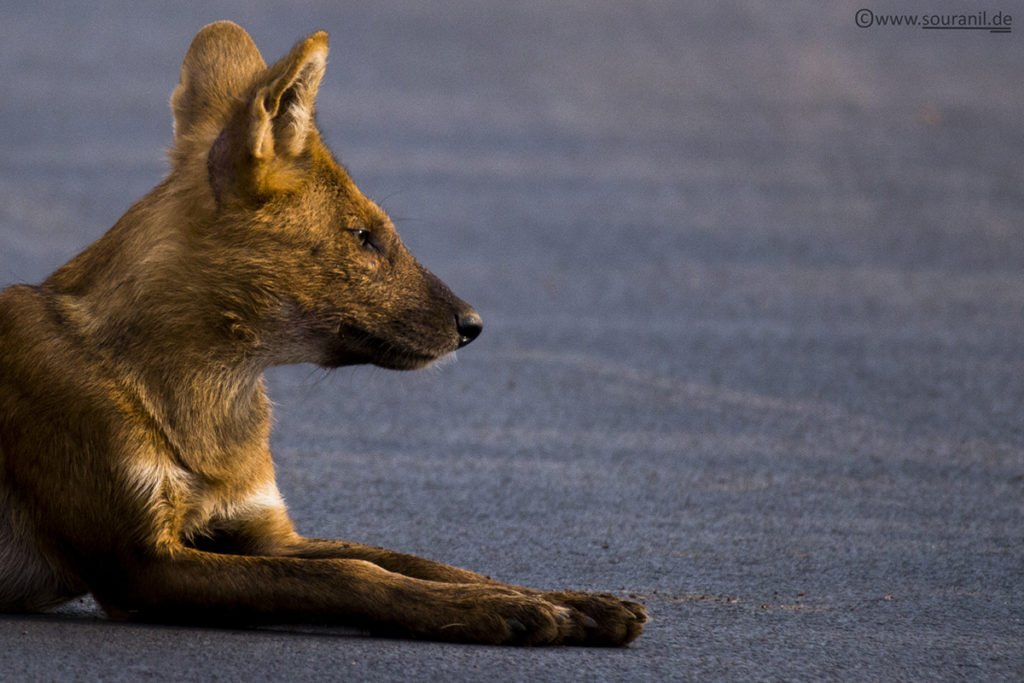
(197, 374)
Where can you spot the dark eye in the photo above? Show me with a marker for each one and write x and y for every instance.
(362, 238)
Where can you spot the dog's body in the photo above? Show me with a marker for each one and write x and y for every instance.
(134, 457)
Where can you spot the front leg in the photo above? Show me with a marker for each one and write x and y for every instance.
(607, 620)
(600, 619)
(401, 563)
(195, 586)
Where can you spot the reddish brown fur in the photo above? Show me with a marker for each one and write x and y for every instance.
(134, 458)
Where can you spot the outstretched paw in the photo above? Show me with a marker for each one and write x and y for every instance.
(518, 620)
(606, 619)
(487, 614)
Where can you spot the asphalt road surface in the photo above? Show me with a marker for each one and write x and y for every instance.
(752, 279)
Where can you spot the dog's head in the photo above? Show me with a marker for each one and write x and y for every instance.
(303, 264)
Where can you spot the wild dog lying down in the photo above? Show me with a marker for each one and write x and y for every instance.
(134, 457)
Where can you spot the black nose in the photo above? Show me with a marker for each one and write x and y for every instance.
(469, 325)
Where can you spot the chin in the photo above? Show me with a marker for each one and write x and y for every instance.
(392, 359)
(407, 362)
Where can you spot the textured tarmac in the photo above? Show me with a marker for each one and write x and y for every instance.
(752, 280)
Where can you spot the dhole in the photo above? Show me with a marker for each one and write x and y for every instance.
(134, 457)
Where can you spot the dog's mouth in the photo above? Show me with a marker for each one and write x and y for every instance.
(355, 346)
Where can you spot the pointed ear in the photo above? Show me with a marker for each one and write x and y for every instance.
(281, 120)
(218, 69)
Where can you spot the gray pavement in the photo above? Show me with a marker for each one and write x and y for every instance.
(752, 280)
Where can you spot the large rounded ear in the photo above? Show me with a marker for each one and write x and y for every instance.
(281, 108)
(271, 126)
(218, 69)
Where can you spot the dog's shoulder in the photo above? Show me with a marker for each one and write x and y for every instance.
(41, 354)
